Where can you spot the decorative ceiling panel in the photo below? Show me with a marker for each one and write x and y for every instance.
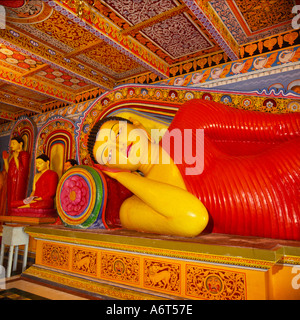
(62, 78)
(111, 58)
(61, 33)
(263, 14)
(24, 62)
(252, 20)
(63, 29)
(17, 59)
(116, 64)
(57, 52)
(177, 36)
(136, 11)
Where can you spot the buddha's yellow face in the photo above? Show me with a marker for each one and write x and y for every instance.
(121, 145)
(67, 166)
(16, 146)
(41, 165)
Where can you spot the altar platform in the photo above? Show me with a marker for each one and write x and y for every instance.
(27, 220)
(123, 264)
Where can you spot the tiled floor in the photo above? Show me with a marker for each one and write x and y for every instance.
(38, 289)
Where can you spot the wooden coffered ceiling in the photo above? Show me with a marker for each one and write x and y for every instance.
(54, 51)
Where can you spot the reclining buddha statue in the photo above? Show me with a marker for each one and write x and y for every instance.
(246, 181)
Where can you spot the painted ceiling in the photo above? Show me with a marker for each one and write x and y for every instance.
(54, 52)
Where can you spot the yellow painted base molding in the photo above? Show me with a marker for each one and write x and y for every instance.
(129, 265)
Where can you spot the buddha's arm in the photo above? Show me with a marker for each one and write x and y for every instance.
(5, 164)
(5, 157)
(160, 208)
(165, 199)
(34, 185)
(32, 193)
(36, 177)
(16, 159)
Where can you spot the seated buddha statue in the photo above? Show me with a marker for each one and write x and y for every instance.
(246, 183)
(40, 203)
(69, 163)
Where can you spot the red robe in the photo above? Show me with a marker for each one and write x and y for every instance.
(17, 179)
(3, 191)
(250, 184)
(45, 188)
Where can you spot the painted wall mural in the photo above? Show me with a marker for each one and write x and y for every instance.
(269, 62)
(56, 139)
(285, 101)
(26, 128)
(258, 56)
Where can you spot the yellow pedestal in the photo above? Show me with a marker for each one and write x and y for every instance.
(130, 265)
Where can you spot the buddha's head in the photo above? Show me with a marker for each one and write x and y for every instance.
(118, 143)
(42, 163)
(69, 164)
(16, 144)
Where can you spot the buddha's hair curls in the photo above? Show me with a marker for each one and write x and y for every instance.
(44, 157)
(19, 139)
(93, 133)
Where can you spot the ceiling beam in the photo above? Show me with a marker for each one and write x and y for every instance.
(53, 58)
(16, 78)
(32, 72)
(20, 102)
(104, 29)
(83, 49)
(154, 20)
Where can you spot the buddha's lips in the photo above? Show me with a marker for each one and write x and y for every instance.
(128, 149)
